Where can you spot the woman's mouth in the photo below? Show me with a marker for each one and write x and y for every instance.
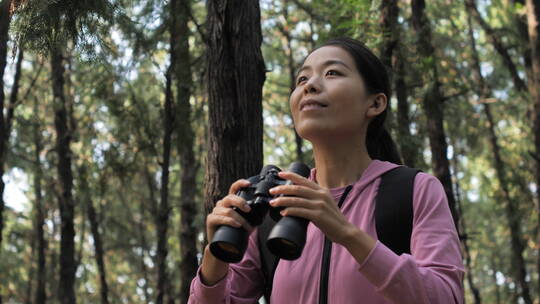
(310, 105)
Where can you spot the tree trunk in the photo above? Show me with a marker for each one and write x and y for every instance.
(66, 292)
(4, 26)
(463, 228)
(409, 150)
(180, 12)
(96, 235)
(521, 22)
(393, 58)
(236, 74)
(533, 20)
(39, 297)
(144, 251)
(31, 269)
(140, 226)
(284, 29)
(98, 246)
(432, 104)
(511, 211)
(388, 22)
(13, 98)
(164, 210)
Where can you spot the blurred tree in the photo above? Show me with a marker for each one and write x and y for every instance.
(433, 102)
(533, 20)
(180, 55)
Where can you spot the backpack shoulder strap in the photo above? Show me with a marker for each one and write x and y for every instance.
(268, 260)
(394, 209)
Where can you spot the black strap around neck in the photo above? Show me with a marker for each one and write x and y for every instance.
(327, 253)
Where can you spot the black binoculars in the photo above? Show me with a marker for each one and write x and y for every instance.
(286, 239)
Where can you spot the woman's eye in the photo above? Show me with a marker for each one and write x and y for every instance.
(332, 73)
(301, 79)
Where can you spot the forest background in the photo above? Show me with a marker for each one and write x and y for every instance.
(123, 122)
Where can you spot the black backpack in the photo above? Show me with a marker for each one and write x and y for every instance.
(393, 220)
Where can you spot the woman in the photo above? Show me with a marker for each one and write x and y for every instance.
(339, 105)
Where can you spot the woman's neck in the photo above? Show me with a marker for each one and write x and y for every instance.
(340, 164)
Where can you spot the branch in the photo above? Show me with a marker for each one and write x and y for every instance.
(200, 30)
(458, 94)
(498, 45)
(309, 11)
(14, 91)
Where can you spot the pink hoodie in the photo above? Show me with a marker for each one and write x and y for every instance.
(431, 274)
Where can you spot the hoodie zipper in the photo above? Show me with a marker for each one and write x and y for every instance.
(327, 252)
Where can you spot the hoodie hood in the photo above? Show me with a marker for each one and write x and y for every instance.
(375, 169)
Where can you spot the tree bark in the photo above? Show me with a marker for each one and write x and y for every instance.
(521, 22)
(66, 292)
(388, 22)
(284, 29)
(96, 235)
(98, 246)
(4, 27)
(13, 97)
(180, 12)
(533, 20)
(163, 211)
(432, 104)
(409, 150)
(463, 228)
(39, 297)
(511, 209)
(392, 57)
(236, 74)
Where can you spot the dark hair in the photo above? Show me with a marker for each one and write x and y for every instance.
(378, 140)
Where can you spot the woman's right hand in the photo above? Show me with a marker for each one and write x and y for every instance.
(213, 269)
(223, 214)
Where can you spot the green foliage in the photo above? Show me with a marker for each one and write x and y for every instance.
(46, 25)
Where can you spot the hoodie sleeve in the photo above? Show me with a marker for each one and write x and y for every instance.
(243, 283)
(433, 272)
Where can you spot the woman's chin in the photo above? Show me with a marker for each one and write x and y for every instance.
(317, 134)
(326, 134)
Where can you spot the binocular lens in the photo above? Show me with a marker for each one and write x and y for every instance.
(229, 244)
(287, 249)
(288, 237)
(227, 252)
(228, 248)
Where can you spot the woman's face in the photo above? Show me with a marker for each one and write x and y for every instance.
(330, 101)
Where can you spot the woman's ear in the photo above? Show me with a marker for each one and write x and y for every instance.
(378, 104)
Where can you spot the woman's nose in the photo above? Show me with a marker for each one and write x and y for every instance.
(312, 86)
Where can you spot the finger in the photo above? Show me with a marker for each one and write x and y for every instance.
(218, 220)
(222, 212)
(296, 190)
(298, 180)
(232, 200)
(291, 201)
(237, 185)
(300, 212)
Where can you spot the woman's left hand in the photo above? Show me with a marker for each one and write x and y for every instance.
(310, 201)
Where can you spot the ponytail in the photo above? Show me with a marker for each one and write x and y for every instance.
(382, 147)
